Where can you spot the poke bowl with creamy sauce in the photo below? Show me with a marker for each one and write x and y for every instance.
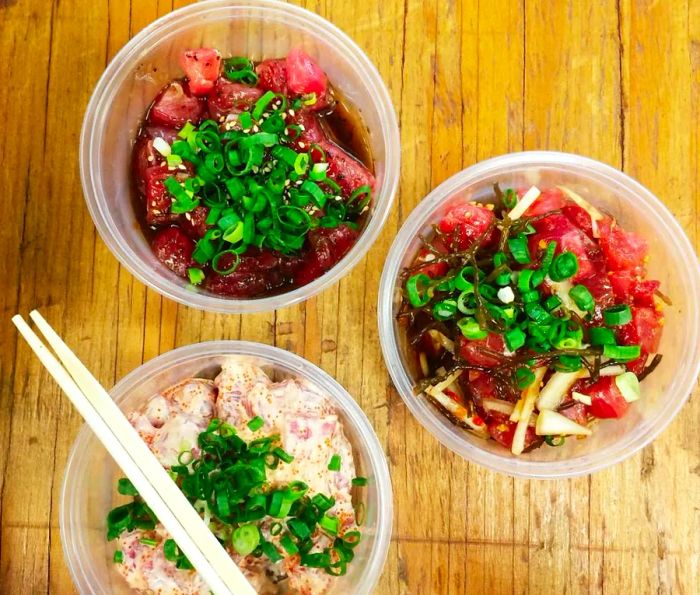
(275, 456)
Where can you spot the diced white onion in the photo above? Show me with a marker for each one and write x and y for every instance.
(441, 386)
(557, 387)
(423, 359)
(529, 397)
(504, 407)
(440, 339)
(524, 203)
(551, 423)
(629, 386)
(506, 295)
(162, 146)
(581, 398)
(457, 411)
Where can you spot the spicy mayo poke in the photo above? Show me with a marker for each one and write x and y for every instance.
(251, 178)
(530, 317)
(269, 468)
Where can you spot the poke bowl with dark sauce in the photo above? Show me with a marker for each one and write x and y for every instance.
(240, 156)
(537, 314)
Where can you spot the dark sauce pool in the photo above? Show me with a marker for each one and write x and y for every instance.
(337, 126)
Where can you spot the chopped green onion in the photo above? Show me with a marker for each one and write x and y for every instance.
(298, 528)
(552, 303)
(548, 257)
(283, 455)
(195, 275)
(417, 288)
(617, 315)
(519, 249)
(118, 557)
(568, 363)
(464, 302)
(524, 279)
(514, 339)
(245, 539)
(601, 336)
(563, 266)
(256, 423)
(445, 309)
(555, 440)
(524, 377)
(537, 313)
(582, 297)
(623, 353)
(148, 542)
(359, 481)
(329, 524)
(231, 268)
(288, 544)
(470, 329)
(271, 552)
(334, 463)
(510, 198)
(126, 488)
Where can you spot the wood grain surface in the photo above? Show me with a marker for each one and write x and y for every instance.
(617, 80)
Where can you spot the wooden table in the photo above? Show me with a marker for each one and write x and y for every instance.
(616, 80)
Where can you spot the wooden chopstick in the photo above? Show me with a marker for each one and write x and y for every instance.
(131, 453)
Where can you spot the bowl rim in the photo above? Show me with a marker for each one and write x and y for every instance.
(117, 71)
(276, 356)
(519, 467)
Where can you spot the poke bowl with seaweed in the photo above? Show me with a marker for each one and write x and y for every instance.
(524, 314)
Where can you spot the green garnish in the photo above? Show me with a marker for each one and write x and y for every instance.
(229, 482)
(260, 187)
(334, 463)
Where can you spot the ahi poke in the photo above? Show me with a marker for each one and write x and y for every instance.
(251, 178)
(268, 467)
(529, 316)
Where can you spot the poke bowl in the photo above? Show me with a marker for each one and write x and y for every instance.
(585, 345)
(255, 391)
(239, 156)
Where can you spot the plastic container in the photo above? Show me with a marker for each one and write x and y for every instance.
(255, 28)
(672, 261)
(88, 491)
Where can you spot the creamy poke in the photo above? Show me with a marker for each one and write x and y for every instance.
(268, 467)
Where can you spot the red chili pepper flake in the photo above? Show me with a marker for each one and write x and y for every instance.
(477, 420)
(453, 395)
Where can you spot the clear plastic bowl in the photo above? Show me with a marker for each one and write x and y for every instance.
(88, 491)
(256, 28)
(672, 261)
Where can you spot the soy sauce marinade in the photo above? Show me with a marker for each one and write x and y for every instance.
(251, 178)
(531, 317)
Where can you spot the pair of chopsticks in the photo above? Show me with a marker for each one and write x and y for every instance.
(139, 464)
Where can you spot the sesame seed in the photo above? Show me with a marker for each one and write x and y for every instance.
(302, 145)
(302, 127)
(255, 128)
(292, 112)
